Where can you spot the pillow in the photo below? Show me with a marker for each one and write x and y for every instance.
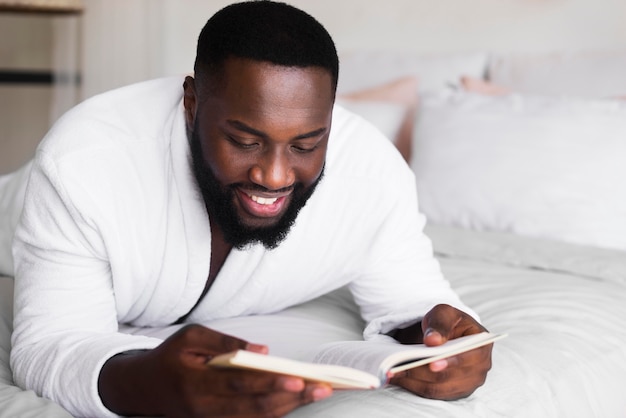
(364, 69)
(537, 166)
(481, 86)
(386, 116)
(391, 107)
(589, 74)
(12, 189)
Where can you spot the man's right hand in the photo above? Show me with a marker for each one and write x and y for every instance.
(174, 380)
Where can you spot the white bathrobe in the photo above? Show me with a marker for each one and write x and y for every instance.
(114, 231)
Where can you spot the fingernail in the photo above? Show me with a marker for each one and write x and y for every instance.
(257, 348)
(322, 392)
(439, 365)
(433, 334)
(293, 384)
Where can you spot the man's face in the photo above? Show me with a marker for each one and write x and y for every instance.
(259, 140)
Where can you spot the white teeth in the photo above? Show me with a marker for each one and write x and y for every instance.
(264, 200)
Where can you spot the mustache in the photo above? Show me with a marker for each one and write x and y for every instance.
(258, 188)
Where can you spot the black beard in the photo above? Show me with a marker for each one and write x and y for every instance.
(219, 202)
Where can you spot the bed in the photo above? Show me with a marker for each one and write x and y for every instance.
(520, 175)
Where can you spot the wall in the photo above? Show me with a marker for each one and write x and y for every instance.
(23, 108)
(27, 110)
(124, 41)
(133, 40)
(470, 25)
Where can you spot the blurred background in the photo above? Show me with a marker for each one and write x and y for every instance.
(55, 53)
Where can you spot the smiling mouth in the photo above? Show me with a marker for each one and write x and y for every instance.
(263, 206)
(263, 200)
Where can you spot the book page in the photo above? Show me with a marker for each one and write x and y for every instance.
(378, 358)
(452, 348)
(339, 377)
(363, 355)
(353, 364)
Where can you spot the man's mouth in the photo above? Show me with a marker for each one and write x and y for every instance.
(263, 200)
(263, 206)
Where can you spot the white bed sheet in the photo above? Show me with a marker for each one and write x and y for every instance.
(15, 402)
(562, 305)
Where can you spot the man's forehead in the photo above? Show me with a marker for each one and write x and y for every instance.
(236, 70)
(257, 86)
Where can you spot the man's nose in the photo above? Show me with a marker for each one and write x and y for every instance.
(273, 171)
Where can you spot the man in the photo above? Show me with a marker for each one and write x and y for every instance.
(148, 208)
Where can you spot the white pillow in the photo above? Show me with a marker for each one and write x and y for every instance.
(390, 107)
(537, 166)
(434, 71)
(386, 116)
(590, 74)
(12, 189)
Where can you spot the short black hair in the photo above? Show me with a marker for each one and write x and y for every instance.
(267, 31)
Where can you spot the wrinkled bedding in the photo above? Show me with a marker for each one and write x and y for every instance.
(15, 402)
(562, 305)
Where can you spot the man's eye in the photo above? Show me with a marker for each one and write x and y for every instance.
(304, 150)
(242, 144)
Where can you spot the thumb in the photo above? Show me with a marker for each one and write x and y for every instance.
(439, 323)
(200, 339)
(433, 337)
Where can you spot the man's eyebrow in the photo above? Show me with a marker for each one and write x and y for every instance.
(252, 131)
(240, 126)
(312, 134)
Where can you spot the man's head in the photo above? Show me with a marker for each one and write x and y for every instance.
(264, 31)
(259, 116)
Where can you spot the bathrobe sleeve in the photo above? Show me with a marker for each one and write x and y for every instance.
(399, 279)
(65, 324)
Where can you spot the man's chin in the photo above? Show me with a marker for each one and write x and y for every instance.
(258, 223)
(258, 227)
(245, 229)
(268, 237)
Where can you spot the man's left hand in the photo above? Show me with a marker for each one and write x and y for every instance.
(454, 377)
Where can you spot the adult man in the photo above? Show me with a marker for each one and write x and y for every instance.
(114, 230)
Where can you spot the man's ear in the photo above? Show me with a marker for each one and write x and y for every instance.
(190, 101)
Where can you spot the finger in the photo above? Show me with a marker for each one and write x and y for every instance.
(270, 404)
(285, 404)
(451, 383)
(460, 360)
(445, 322)
(439, 365)
(447, 389)
(477, 361)
(438, 324)
(433, 337)
(211, 341)
(257, 348)
(247, 382)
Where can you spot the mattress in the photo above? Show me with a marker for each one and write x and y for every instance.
(561, 304)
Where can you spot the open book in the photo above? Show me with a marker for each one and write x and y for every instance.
(355, 364)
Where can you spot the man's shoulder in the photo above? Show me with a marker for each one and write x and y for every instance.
(357, 148)
(144, 92)
(113, 119)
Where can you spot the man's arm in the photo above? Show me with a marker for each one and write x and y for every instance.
(174, 380)
(452, 378)
(66, 337)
